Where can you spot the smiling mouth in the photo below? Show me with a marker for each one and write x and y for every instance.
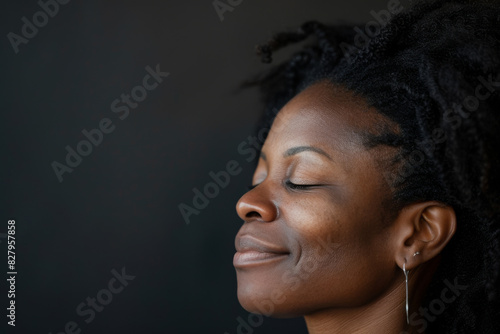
(253, 251)
(251, 258)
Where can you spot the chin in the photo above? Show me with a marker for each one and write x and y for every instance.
(266, 301)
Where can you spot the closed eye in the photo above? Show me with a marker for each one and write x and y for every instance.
(295, 186)
(290, 185)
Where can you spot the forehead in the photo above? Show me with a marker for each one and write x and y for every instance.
(326, 114)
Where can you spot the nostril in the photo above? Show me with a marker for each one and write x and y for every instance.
(253, 214)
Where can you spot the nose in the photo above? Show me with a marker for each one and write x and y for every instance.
(257, 204)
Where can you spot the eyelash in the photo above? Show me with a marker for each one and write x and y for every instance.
(289, 184)
(294, 186)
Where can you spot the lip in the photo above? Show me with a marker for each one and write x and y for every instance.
(251, 251)
(254, 258)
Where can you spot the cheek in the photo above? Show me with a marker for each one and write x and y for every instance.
(314, 214)
(342, 251)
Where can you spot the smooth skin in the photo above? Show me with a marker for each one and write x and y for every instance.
(332, 250)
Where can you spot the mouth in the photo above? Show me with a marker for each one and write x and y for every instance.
(253, 258)
(252, 252)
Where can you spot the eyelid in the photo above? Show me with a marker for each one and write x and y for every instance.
(289, 184)
(295, 186)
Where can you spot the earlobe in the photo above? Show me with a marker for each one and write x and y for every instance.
(423, 230)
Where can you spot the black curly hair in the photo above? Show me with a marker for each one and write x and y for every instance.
(434, 70)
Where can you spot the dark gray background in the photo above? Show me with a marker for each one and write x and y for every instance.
(119, 207)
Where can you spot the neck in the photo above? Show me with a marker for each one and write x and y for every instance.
(385, 315)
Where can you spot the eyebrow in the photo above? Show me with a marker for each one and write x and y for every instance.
(299, 149)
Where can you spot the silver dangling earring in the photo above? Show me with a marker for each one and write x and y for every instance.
(406, 283)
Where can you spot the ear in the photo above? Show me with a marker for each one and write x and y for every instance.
(422, 230)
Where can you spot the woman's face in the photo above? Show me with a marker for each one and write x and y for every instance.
(316, 232)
